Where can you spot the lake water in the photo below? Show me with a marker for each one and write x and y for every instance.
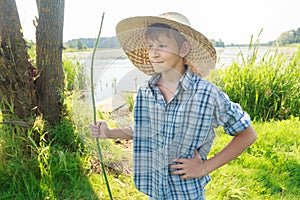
(112, 76)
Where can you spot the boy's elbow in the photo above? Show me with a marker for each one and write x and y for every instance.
(254, 137)
(248, 135)
(251, 134)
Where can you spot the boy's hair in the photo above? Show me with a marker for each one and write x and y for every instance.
(153, 31)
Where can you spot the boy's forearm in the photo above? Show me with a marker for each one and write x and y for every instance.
(120, 133)
(237, 145)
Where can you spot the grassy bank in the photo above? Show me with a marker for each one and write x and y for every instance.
(267, 87)
(270, 169)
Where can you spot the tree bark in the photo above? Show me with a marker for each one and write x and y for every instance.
(17, 89)
(49, 46)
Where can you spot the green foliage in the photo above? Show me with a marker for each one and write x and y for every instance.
(104, 42)
(112, 42)
(31, 50)
(267, 88)
(75, 77)
(130, 101)
(34, 165)
(18, 165)
(42, 169)
(79, 44)
(70, 45)
(218, 43)
(289, 37)
(269, 169)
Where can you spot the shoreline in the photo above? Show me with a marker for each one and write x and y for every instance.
(100, 54)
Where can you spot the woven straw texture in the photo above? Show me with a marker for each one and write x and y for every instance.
(131, 35)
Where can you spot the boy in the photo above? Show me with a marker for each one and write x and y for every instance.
(177, 110)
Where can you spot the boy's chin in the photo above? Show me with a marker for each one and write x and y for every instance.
(161, 69)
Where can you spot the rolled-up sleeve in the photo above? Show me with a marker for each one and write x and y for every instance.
(230, 115)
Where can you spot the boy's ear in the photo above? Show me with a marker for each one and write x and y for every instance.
(185, 49)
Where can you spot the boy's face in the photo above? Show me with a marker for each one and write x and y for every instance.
(164, 54)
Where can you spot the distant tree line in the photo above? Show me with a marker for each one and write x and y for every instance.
(288, 37)
(219, 43)
(84, 43)
(110, 42)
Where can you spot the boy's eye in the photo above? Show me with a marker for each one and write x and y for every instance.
(161, 46)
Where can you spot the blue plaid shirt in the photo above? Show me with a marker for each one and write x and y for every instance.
(164, 131)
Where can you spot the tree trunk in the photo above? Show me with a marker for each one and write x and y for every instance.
(49, 46)
(17, 90)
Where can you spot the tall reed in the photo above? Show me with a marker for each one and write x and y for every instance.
(75, 77)
(266, 87)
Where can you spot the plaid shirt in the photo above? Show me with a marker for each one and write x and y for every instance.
(164, 131)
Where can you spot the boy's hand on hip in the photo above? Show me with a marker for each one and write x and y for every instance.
(189, 167)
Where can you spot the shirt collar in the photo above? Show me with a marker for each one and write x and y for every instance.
(186, 81)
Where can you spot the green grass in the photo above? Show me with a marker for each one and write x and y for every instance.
(34, 165)
(270, 169)
(267, 88)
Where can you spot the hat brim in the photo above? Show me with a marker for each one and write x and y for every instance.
(131, 35)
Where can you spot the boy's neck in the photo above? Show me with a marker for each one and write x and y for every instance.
(171, 77)
(168, 83)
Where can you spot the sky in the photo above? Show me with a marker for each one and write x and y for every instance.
(232, 21)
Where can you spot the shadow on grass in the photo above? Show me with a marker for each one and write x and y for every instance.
(283, 179)
(31, 167)
(69, 165)
(70, 181)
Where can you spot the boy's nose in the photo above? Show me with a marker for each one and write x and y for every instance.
(153, 52)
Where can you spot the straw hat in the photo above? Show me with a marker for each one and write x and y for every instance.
(131, 35)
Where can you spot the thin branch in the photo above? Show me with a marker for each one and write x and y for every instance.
(94, 110)
(16, 123)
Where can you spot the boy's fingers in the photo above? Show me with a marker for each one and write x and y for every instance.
(98, 123)
(178, 160)
(177, 172)
(176, 166)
